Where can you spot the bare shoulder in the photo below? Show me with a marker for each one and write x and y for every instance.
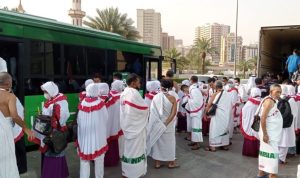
(269, 102)
(172, 99)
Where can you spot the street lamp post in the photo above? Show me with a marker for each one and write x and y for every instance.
(236, 28)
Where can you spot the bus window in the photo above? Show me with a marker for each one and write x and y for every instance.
(96, 61)
(52, 59)
(32, 86)
(37, 57)
(129, 62)
(75, 63)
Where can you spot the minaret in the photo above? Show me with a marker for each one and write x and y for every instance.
(76, 13)
(20, 7)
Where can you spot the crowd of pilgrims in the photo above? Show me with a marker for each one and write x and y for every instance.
(117, 124)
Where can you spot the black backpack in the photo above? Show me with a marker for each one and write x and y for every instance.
(286, 112)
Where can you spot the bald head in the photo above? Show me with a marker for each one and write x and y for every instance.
(5, 79)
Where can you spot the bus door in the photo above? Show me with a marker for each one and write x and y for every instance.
(12, 51)
(153, 68)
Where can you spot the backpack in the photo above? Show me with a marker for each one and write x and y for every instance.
(286, 112)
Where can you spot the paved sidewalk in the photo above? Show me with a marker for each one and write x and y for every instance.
(193, 164)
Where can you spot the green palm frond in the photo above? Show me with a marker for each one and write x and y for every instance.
(111, 20)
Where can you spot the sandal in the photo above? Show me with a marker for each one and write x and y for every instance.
(174, 166)
(158, 166)
(209, 149)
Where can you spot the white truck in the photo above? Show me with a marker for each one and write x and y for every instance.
(276, 43)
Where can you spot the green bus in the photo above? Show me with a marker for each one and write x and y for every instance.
(39, 49)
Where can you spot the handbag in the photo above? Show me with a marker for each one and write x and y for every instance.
(42, 124)
(213, 109)
(256, 122)
(57, 140)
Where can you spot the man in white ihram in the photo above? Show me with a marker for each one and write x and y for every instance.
(195, 107)
(8, 115)
(269, 133)
(133, 121)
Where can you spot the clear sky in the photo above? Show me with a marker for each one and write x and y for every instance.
(180, 17)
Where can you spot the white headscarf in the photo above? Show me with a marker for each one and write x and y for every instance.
(117, 85)
(231, 83)
(3, 65)
(51, 88)
(284, 90)
(92, 90)
(103, 89)
(250, 83)
(255, 92)
(153, 86)
(185, 82)
(87, 82)
(291, 90)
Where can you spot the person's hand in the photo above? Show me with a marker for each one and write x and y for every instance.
(266, 138)
(29, 133)
(166, 124)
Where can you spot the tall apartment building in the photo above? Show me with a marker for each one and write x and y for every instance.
(164, 41)
(228, 49)
(171, 42)
(249, 52)
(149, 26)
(214, 32)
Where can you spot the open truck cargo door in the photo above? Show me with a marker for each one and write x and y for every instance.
(275, 45)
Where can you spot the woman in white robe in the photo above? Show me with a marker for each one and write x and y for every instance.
(114, 131)
(92, 145)
(153, 88)
(251, 142)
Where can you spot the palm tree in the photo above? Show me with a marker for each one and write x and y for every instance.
(202, 47)
(171, 54)
(253, 62)
(111, 20)
(245, 66)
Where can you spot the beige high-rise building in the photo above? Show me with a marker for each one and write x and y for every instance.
(249, 52)
(76, 13)
(214, 32)
(149, 26)
(164, 41)
(228, 49)
(171, 42)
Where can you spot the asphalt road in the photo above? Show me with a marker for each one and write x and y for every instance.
(193, 164)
